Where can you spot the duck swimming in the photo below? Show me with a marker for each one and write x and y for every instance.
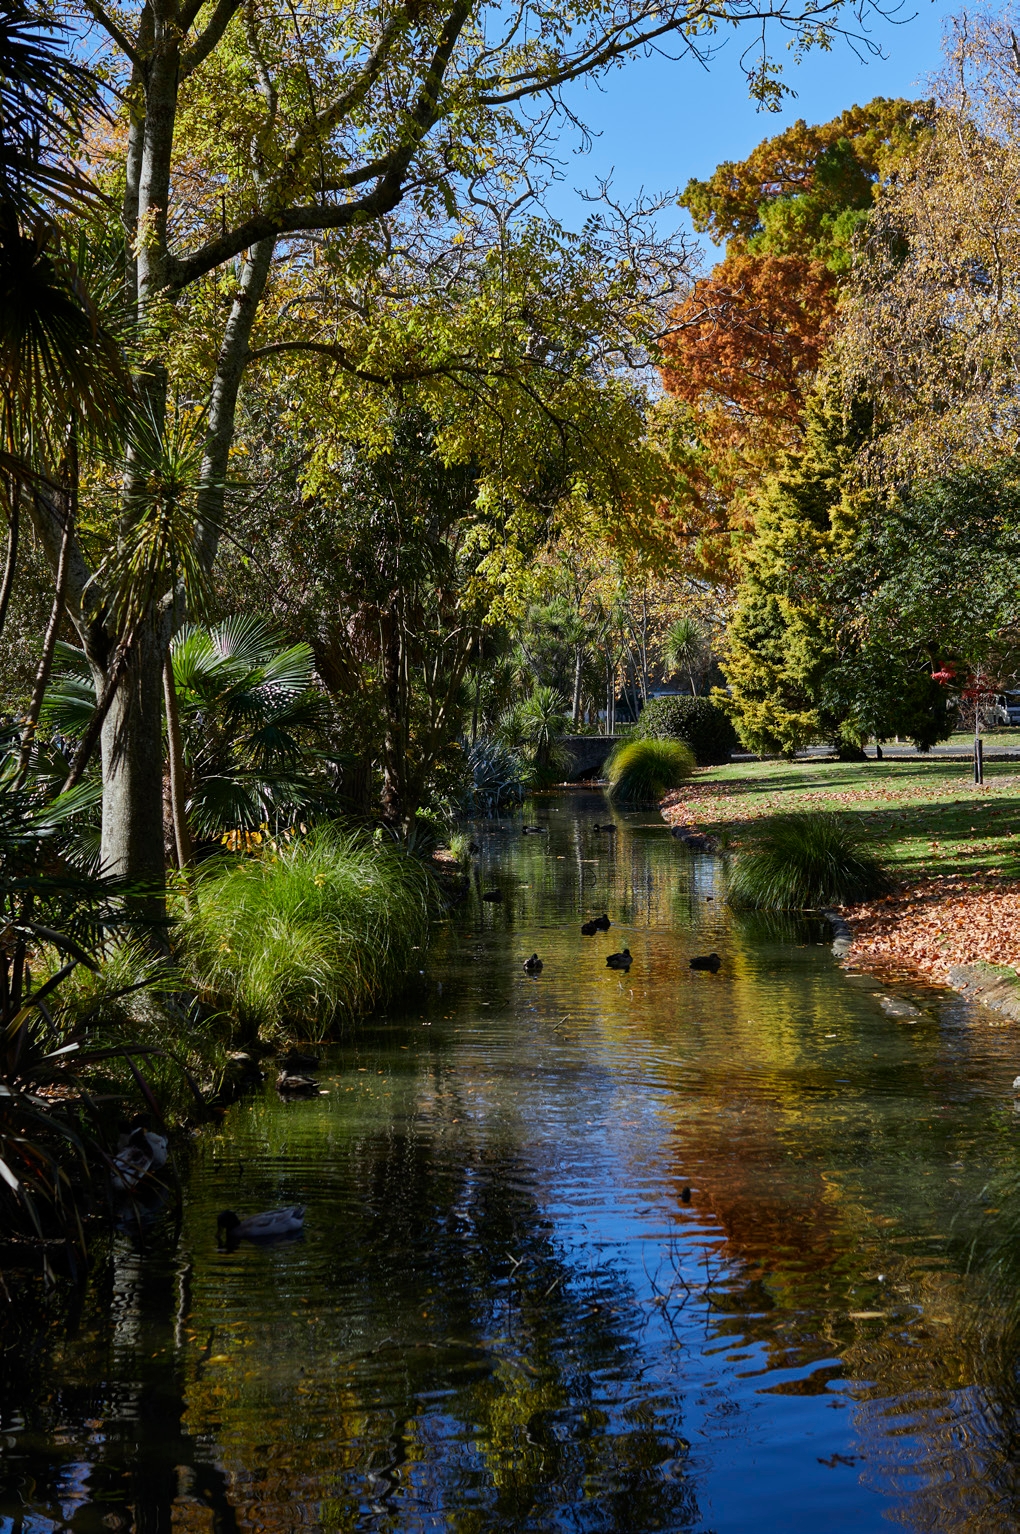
(290, 1085)
(533, 831)
(493, 896)
(589, 928)
(268, 1226)
(620, 960)
(709, 961)
(602, 923)
(610, 830)
(533, 966)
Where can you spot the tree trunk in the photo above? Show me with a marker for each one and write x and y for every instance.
(394, 807)
(575, 712)
(132, 748)
(10, 564)
(175, 752)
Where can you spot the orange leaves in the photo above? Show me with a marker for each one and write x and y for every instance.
(750, 335)
(940, 923)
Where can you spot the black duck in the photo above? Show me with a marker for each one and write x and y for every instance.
(709, 961)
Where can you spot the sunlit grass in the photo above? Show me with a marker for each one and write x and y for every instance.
(311, 936)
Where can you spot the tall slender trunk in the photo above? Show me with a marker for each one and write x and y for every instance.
(132, 734)
(10, 563)
(42, 675)
(394, 788)
(132, 754)
(575, 712)
(175, 752)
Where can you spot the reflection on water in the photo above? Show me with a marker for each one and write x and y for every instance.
(508, 1312)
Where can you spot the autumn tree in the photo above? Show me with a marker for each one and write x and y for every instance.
(931, 331)
(746, 343)
(247, 132)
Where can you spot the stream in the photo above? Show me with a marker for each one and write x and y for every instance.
(591, 1250)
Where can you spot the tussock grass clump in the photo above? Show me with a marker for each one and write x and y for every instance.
(314, 934)
(808, 860)
(641, 771)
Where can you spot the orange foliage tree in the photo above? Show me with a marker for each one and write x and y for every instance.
(745, 344)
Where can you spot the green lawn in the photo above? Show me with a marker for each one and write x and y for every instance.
(926, 816)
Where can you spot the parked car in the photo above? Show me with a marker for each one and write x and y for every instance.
(1006, 708)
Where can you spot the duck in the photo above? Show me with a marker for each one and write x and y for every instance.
(601, 923)
(620, 960)
(288, 1084)
(589, 928)
(710, 961)
(268, 1226)
(533, 831)
(533, 966)
(610, 829)
(139, 1138)
(493, 896)
(139, 1153)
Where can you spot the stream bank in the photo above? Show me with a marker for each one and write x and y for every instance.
(661, 1249)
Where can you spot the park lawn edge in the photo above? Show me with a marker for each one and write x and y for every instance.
(951, 846)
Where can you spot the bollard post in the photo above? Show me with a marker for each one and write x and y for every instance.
(979, 760)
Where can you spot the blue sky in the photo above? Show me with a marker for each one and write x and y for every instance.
(660, 122)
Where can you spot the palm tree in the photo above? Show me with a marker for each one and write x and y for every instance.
(685, 648)
(245, 708)
(44, 99)
(541, 720)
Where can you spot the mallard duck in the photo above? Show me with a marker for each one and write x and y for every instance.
(533, 966)
(609, 830)
(533, 830)
(601, 923)
(290, 1085)
(589, 928)
(493, 896)
(709, 961)
(268, 1226)
(620, 960)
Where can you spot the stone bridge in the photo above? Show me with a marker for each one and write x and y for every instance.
(587, 754)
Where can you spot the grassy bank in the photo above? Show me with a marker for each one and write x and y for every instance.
(309, 937)
(924, 816)
(952, 846)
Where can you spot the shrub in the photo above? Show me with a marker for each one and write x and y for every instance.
(704, 727)
(641, 771)
(315, 933)
(811, 860)
(497, 777)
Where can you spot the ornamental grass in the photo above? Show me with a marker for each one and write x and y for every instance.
(641, 771)
(310, 936)
(806, 861)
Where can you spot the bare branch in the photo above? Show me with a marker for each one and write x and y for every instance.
(114, 32)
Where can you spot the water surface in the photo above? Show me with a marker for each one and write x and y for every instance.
(588, 1251)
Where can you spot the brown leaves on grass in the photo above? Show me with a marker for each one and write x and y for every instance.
(939, 923)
